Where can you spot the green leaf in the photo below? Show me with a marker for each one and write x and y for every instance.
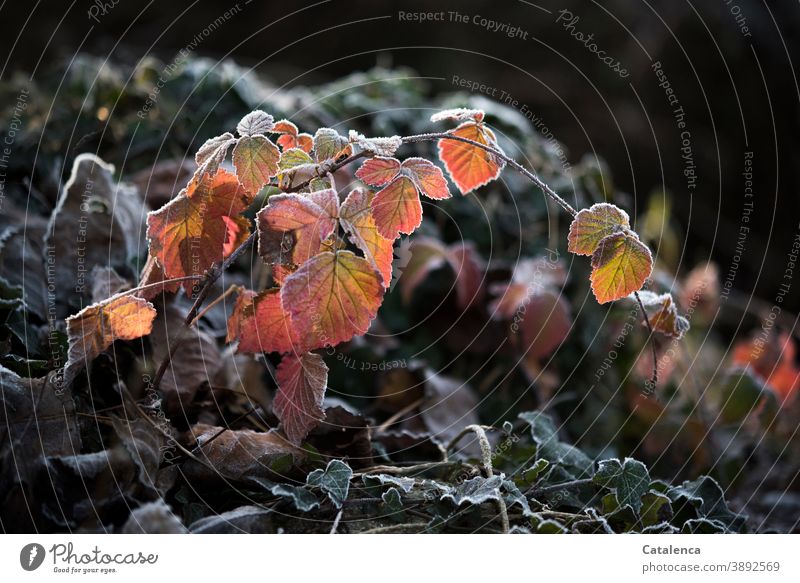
(739, 394)
(328, 144)
(514, 496)
(575, 463)
(475, 491)
(392, 501)
(592, 225)
(303, 499)
(334, 480)
(256, 161)
(656, 508)
(532, 474)
(630, 480)
(706, 498)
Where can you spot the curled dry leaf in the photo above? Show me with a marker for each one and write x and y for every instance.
(96, 327)
(302, 381)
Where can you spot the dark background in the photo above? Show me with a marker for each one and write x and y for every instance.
(739, 93)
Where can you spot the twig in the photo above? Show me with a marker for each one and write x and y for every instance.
(497, 153)
(394, 418)
(336, 521)
(409, 527)
(654, 379)
(404, 470)
(486, 459)
(556, 487)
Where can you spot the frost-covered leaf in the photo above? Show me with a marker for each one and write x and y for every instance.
(379, 171)
(256, 161)
(301, 497)
(332, 297)
(291, 138)
(630, 480)
(211, 154)
(96, 327)
(397, 209)
(302, 381)
(334, 480)
(707, 499)
(245, 519)
(574, 461)
(620, 266)
(392, 501)
(475, 490)
(378, 146)
(592, 225)
(355, 216)
(663, 314)
(458, 114)
(329, 145)
(254, 123)
(427, 177)
(405, 484)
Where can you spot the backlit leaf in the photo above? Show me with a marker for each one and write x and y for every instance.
(427, 177)
(591, 225)
(199, 227)
(396, 208)
(301, 388)
(96, 327)
(256, 161)
(470, 166)
(260, 323)
(333, 297)
(212, 153)
(356, 219)
(291, 138)
(620, 266)
(664, 318)
(153, 273)
(310, 220)
(255, 123)
(379, 171)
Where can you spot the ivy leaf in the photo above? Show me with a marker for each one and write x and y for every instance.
(592, 225)
(620, 266)
(329, 145)
(255, 123)
(302, 381)
(199, 227)
(355, 216)
(211, 154)
(291, 138)
(576, 463)
(405, 484)
(707, 499)
(303, 499)
(475, 490)
(96, 327)
(470, 166)
(334, 480)
(310, 219)
(333, 297)
(260, 323)
(630, 480)
(256, 161)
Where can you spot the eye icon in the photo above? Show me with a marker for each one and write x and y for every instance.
(31, 556)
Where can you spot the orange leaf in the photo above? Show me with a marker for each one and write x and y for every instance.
(665, 318)
(620, 265)
(301, 389)
(355, 216)
(199, 227)
(773, 359)
(310, 220)
(591, 225)
(290, 137)
(153, 273)
(332, 297)
(256, 161)
(96, 327)
(260, 323)
(470, 166)
(396, 208)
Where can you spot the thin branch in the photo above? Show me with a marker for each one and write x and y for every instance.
(498, 154)
(557, 487)
(654, 379)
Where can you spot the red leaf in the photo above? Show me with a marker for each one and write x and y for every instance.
(290, 137)
(260, 323)
(301, 389)
(378, 171)
(427, 177)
